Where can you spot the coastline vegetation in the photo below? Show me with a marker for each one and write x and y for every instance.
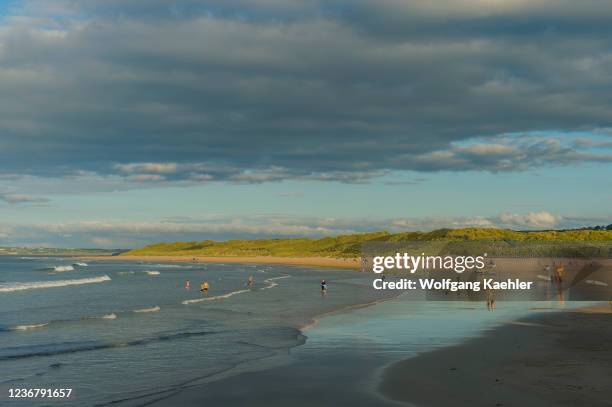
(350, 246)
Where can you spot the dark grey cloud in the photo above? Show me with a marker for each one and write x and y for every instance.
(268, 90)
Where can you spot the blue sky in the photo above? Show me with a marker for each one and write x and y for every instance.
(125, 122)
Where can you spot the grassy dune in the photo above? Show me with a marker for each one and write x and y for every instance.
(348, 246)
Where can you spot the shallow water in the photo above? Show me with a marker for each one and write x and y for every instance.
(131, 334)
(123, 330)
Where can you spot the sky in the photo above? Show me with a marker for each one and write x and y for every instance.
(126, 122)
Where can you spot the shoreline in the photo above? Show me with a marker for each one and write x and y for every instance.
(327, 262)
(316, 318)
(554, 359)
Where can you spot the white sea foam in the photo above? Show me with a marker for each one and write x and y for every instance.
(277, 278)
(80, 264)
(152, 272)
(61, 269)
(271, 283)
(597, 282)
(109, 316)
(6, 288)
(28, 327)
(171, 266)
(218, 297)
(143, 310)
(125, 273)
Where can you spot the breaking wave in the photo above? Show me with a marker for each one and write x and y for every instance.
(61, 269)
(217, 297)
(271, 283)
(171, 266)
(143, 310)
(125, 273)
(28, 327)
(597, 282)
(6, 288)
(152, 273)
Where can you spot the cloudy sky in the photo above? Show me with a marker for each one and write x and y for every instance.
(124, 122)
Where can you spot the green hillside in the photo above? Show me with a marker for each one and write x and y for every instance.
(351, 245)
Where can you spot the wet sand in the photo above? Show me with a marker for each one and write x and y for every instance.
(554, 359)
(349, 263)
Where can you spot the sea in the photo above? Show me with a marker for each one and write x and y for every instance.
(130, 333)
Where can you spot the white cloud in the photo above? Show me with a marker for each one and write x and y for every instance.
(531, 220)
(147, 168)
(16, 198)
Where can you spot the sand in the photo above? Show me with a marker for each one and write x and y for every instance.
(553, 359)
(351, 263)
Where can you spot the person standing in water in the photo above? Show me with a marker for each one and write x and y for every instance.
(187, 285)
(250, 282)
(204, 287)
(323, 287)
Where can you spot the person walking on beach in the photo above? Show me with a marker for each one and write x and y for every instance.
(490, 300)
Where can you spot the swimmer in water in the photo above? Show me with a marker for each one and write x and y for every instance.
(204, 287)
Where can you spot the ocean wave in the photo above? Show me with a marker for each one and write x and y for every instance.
(125, 273)
(61, 321)
(28, 327)
(271, 283)
(61, 269)
(276, 278)
(6, 288)
(217, 297)
(152, 272)
(54, 349)
(597, 282)
(80, 264)
(170, 266)
(143, 310)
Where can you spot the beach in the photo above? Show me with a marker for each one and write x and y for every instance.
(351, 358)
(283, 342)
(553, 359)
(345, 263)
